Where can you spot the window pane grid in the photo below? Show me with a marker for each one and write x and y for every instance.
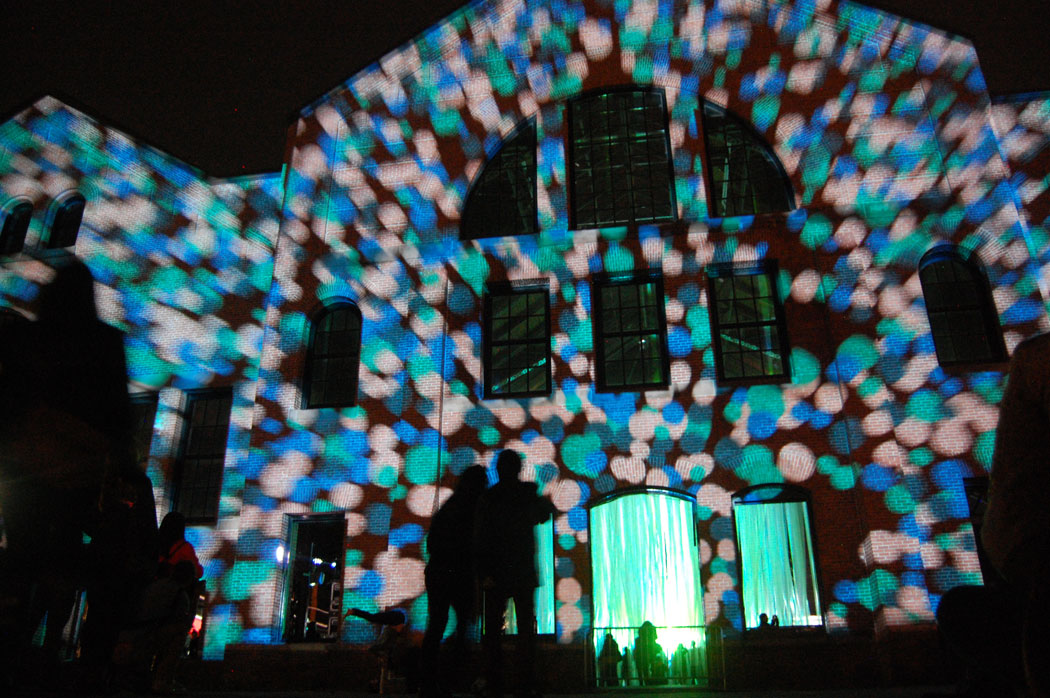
(960, 312)
(503, 200)
(203, 456)
(632, 350)
(333, 360)
(518, 344)
(745, 178)
(620, 159)
(748, 326)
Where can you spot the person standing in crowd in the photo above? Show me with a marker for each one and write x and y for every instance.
(505, 552)
(997, 630)
(64, 430)
(173, 546)
(449, 576)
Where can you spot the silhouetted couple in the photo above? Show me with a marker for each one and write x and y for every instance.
(68, 467)
(499, 558)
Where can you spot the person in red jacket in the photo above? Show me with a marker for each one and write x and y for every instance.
(173, 546)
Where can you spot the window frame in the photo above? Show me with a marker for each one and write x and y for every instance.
(59, 216)
(488, 343)
(527, 127)
(759, 141)
(770, 269)
(152, 400)
(602, 281)
(308, 400)
(571, 169)
(12, 238)
(193, 398)
(786, 493)
(984, 304)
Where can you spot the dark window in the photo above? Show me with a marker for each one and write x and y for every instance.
(747, 322)
(66, 225)
(745, 174)
(333, 357)
(202, 455)
(630, 334)
(620, 158)
(963, 318)
(503, 198)
(16, 224)
(775, 545)
(517, 343)
(143, 414)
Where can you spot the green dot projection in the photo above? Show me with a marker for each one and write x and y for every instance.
(882, 129)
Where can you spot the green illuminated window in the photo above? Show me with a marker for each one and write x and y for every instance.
(620, 159)
(202, 455)
(517, 343)
(747, 322)
(630, 333)
(778, 569)
(502, 200)
(333, 357)
(746, 177)
(963, 319)
(645, 567)
(66, 223)
(544, 595)
(16, 225)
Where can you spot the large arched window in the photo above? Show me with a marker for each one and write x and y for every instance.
(66, 223)
(502, 200)
(778, 571)
(333, 355)
(963, 319)
(620, 159)
(16, 225)
(746, 177)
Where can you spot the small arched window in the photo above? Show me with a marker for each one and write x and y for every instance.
(620, 159)
(333, 356)
(778, 570)
(16, 225)
(502, 200)
(963, 319)
(66, 223)
(746, 176)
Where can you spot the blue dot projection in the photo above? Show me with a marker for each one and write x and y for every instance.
(888, 141)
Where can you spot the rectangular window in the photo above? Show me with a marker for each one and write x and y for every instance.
(620, 159)
(630, 333)
(143, 414)
(517, 348)
(747, 322)
(202, 455)
(777, 566)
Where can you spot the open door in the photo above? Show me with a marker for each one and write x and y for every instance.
(313, 597)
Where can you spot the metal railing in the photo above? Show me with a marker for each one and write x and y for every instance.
(681, 655)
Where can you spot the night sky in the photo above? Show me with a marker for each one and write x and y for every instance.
(218, 83)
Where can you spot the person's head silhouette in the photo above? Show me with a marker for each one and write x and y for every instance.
(69, 300)
(508, 465)
(472, 482)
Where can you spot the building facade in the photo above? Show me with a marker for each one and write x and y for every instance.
(765, 258)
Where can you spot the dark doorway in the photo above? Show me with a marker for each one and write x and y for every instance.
(314, 582)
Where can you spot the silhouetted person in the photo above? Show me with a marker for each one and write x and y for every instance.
(763, 622)
(505, 549)
(122, 561)
(997, 630)
(608, 660)
(649, 659)
(64, 421)
(173, 546)
(449, 575)
(775, 622)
